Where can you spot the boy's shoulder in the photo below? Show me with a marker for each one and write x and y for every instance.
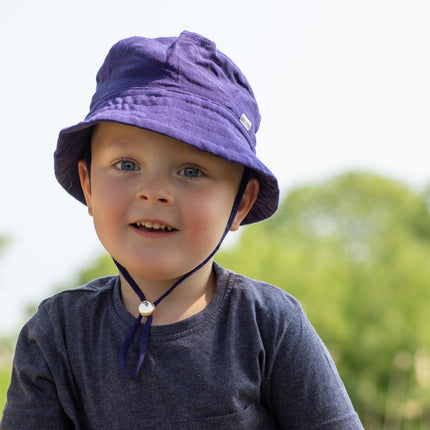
(258, 310)
(264, 298)
(254, 287)
(93, 289)
(81, 300)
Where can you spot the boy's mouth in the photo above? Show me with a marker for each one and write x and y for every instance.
(152, 226)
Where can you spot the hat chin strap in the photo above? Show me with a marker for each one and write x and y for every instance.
(146, 308)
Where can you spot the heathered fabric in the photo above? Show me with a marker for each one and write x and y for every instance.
(250, 360)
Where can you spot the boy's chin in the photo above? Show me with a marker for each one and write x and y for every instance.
(155, 274)
(163, 273)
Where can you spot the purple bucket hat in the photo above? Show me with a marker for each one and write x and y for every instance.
(181, 87)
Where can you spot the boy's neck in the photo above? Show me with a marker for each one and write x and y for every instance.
(189, 298)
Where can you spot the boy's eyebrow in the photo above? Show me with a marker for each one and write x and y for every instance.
(114, 143)
(125, 142)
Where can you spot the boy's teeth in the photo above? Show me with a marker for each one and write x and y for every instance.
(154, 225)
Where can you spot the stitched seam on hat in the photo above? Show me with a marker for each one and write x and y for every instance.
(229, 114)
(188, 101)
(119, 107)
(152, 88)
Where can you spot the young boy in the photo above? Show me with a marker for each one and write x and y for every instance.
(165, 162)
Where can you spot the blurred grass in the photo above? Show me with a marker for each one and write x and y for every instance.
(4, 384)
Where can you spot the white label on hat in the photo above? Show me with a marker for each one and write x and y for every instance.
(245, 122)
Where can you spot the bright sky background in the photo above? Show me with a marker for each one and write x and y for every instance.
(341, 85)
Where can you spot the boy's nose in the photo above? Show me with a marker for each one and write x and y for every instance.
(155, 191)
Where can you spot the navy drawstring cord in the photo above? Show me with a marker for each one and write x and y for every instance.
(147, 325)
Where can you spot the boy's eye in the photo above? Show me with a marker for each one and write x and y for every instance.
(190, 172)
(126, 165)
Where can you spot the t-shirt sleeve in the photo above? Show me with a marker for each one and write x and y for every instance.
(303, 388)
(33, 396)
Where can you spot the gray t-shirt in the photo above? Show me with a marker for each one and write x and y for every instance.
(250, 360)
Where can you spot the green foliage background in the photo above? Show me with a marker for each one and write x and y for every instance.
(355, 251)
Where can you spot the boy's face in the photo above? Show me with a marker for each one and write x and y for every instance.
(159, 206)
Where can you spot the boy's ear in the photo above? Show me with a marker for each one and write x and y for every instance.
(85, 184)
(248, 199)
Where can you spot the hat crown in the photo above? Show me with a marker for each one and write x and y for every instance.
(189, 64)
